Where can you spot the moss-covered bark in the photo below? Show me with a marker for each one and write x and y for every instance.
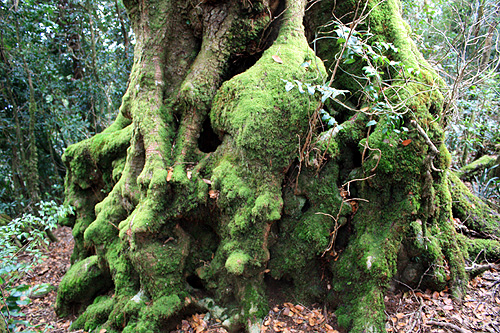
(170, 219)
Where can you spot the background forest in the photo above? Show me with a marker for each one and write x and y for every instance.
(64, 66)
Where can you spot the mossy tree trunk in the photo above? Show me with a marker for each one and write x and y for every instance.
(202, 194)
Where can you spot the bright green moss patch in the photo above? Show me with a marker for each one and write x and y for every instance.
(235, 263)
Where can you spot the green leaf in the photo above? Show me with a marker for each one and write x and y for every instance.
(371, 123)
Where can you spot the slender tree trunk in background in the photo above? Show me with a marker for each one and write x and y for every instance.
(124, 32)
(202, 194)
(32, 176)
(17, 144)
(32, 161)
(18, 154)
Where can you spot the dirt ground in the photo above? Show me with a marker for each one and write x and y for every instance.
(411, 311)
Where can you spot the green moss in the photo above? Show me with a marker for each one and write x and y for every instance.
(474, 213)
(475, 168)
(481, 249)
(95, 315)
(235, 263)
(152, 317)
(80, 285)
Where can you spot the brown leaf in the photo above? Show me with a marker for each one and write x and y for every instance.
(286, 311)
(277, 59)
(103, 330)
(207, 181)
(214, 194)
(299, 307)
(170, 173)
(406, 142)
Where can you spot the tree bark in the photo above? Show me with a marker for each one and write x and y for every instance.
(211, 185)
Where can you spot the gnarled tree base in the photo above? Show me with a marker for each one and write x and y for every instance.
(170, 219)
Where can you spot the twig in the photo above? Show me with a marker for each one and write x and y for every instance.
(447, 325)
(431, 145)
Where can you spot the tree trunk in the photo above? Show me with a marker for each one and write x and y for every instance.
(211, 187)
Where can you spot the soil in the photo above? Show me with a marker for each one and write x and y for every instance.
(406, 311)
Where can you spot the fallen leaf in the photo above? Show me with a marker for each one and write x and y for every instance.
(103, 330)
(277, 59)
(189, 174)
(299, 307)
(286, 312)
(170, 173)
(207, 181)
(214, 194)
(406, 142)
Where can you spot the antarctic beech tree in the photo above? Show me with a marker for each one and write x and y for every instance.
(263, 147)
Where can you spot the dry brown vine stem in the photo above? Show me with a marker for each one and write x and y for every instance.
(336, 219)
(431, 145)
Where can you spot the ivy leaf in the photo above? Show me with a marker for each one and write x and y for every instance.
(299, 84)
(289, 86)
(310, 89)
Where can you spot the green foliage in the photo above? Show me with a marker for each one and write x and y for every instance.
(485, 186)
(460, 38)
(375, 57)
(24, 235)
(477, 125)
(77, 56)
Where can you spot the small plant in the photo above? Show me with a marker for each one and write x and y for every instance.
(485, 187)
(26, 235)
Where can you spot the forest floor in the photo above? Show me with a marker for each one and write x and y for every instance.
(409, 311)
